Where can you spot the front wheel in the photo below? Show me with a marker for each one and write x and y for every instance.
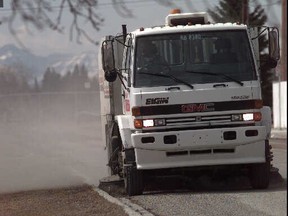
(114, 152)
(260, 173)
(133, 180)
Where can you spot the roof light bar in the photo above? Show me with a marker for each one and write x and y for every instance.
(176, 18)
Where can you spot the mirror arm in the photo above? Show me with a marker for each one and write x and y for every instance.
(119, 41)
(265, 28)
(121, 77)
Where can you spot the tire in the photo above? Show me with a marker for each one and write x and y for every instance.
(113, 155)
(260, 173)
(133, 180)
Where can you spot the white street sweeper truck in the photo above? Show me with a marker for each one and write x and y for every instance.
(183, 96)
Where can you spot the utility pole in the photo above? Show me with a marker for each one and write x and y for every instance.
(245, 11)
(284, 42)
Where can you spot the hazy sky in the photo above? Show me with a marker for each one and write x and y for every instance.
(146, 13)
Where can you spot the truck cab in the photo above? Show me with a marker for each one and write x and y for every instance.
(184, 95)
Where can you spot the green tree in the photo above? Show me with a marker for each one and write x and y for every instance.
(66, 82)
(12, 82)
(77, 79)
(51, 80)
(231, 11)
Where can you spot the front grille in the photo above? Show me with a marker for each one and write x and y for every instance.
(199, 120)
(207, 121)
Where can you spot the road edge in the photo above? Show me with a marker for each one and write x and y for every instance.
(130, 208)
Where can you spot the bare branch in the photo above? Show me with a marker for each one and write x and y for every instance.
(121, 8)
(167, 3)
(39, 14)
(59, 17)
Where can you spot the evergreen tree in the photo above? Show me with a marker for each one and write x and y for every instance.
(12, 82)
(79, 77)
(23, 84)
(227, 11)
(51, 80)
(66, 82)
(231, 11)
(76, 80)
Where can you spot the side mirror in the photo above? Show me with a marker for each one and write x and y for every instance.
(108, 62)
(274, 50)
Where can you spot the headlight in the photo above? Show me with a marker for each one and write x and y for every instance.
(248, 117)
(146, 123)
(257, 116)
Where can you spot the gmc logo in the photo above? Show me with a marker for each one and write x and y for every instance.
(188, 108)
(150, 101)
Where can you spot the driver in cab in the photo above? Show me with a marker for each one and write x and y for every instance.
(149, 57)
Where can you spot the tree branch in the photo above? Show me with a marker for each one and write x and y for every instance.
(38, 13)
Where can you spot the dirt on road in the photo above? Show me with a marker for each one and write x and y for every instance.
(73, 201)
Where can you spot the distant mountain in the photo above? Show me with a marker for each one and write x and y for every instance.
(88, 59)
(26, 62)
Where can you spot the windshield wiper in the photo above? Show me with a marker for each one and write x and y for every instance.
(170, 77)
(216, 74)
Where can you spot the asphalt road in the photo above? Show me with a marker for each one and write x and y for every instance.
(232, 196)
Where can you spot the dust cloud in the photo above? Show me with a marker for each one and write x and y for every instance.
(50, 140)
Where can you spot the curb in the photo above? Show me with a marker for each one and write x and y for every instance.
(130, 208)
(279, 134)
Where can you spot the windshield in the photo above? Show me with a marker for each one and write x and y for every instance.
(194, 58)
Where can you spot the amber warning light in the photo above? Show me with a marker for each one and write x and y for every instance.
(176, 18)
(175, 11)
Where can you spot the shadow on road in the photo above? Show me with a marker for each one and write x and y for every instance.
(199, 184)
(212, 184)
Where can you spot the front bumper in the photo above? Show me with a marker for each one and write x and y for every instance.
(188, 148)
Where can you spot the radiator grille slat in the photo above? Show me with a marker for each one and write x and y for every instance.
(198, 120)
